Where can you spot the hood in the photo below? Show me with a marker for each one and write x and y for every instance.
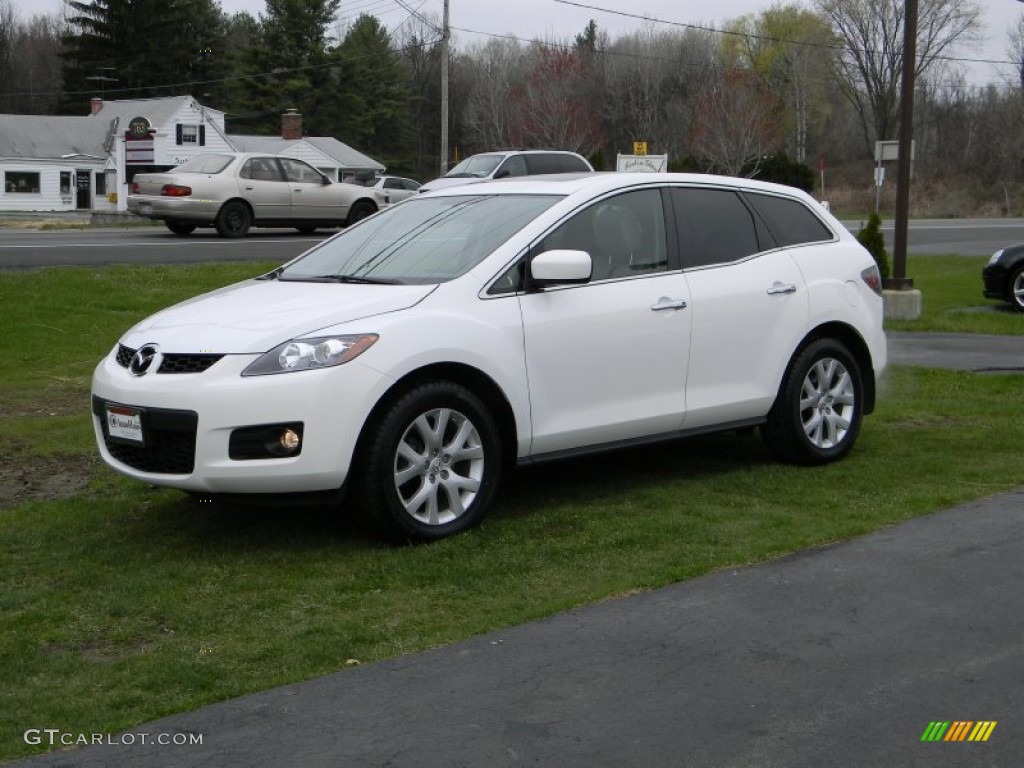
(257, 315)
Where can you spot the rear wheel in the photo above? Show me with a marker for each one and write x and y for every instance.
(233, 220)
(180, 227)
(360, 211)
(1015, 290)
(431, 464)
(817, 415)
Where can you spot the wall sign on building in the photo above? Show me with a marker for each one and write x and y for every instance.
(139, 147)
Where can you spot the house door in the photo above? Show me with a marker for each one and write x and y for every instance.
(83, 183)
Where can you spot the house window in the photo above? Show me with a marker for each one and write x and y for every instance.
(21, 182)
(190, 135)
(101, 184)
(65, 182)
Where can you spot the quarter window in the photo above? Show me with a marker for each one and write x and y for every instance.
(790, 221)
(714, 226)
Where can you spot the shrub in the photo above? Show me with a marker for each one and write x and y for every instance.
(870, 236)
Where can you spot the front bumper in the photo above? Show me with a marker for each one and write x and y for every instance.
(993, 278)
(188, 420)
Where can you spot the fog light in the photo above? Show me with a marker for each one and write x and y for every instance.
(289, 440)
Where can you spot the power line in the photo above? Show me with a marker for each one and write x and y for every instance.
(765, 38)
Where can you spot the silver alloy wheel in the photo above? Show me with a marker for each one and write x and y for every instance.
(1017, 289)
(439, 466)
(827, 403)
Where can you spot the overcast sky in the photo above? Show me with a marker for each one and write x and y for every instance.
(549, 19)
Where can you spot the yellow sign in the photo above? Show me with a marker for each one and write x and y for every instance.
(639, 147)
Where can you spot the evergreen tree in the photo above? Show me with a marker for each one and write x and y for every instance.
(137, 48)
(371, 99)
(290, 65)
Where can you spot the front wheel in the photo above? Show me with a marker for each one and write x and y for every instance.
(233, 220)
(1015, 289)
(817, 414)
(431, 463)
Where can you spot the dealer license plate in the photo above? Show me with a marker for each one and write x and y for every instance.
(124, 424)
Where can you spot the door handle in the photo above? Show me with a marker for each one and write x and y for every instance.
(779, 288)
(666, 303)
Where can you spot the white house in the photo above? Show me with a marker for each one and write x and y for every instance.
(61, 163)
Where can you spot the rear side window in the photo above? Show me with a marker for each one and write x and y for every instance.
(714, 227)
(555, 163)
(789, 221)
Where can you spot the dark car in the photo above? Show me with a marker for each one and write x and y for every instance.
(1003, 276)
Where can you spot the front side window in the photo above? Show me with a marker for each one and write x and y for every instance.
(714, 226)
(299, 171)
(422, 241)
(21, 182)
(514, 166)
(624, 235)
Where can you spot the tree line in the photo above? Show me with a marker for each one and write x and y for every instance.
(780, 93)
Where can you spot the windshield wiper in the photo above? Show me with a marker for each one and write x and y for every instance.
(272, 275)
(354, 279)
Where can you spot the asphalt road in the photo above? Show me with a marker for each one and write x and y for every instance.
(155, 245)
(146, 245)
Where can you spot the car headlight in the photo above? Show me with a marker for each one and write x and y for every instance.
(995, 257)
(310, 354)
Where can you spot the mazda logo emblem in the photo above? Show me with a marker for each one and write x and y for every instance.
(147, 358)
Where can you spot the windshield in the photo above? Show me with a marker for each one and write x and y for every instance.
(423, 240)
(477, 166)
(205, 164)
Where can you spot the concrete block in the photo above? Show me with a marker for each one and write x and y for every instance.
(902, 305)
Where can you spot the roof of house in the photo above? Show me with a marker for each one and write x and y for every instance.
(39, 137)
(342, 154)
(158, 111)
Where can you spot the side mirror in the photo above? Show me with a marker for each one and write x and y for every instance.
(503, 173)
(324, 181)
(561, 267)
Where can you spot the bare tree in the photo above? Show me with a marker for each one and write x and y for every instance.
(1016, 50)
(869, 63)
(497, 69)
(735, 127)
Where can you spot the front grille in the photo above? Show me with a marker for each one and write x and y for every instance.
(172, 363)
(170, 441)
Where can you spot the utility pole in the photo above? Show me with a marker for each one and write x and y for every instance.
(900, 281)
(446, 33)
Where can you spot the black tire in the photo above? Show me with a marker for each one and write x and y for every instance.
(180, 227)
(817, 414)
(360, 211)
(449, 486)
(1015, 289)
(233, 220)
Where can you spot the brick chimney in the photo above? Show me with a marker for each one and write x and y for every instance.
(291, 124)
(95, 105)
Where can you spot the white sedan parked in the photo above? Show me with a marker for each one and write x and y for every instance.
(410, 358)
(393, 189)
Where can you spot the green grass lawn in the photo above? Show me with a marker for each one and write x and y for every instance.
(123, 603)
